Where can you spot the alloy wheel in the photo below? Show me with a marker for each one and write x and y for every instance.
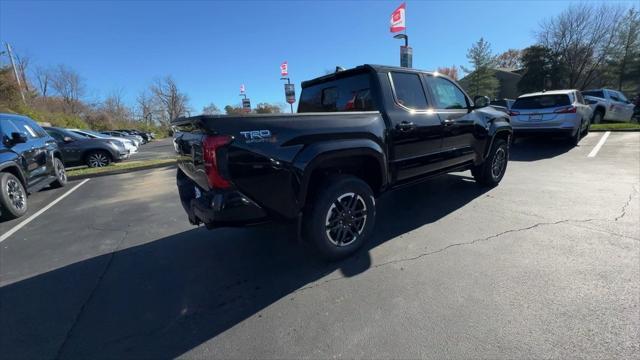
(60, 171)
(499, 162)
(346, 219)
(16, 194)
(98, 160)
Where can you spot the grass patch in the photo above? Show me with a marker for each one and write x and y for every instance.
(615, 126)
(119, 167)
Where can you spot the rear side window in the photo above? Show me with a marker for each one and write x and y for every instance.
(352, 93)
(542, 101)
(594, 93)
(408, 90)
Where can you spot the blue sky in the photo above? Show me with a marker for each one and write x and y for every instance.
(210, 48)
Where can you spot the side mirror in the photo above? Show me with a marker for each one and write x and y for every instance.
(67, 139)
(18, 138)
(481, 101)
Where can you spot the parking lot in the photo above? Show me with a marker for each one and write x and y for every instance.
(545, 265)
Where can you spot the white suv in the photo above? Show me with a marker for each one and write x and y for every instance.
(563, 112)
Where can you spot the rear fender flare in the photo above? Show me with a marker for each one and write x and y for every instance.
(314, 155)
(16, 170)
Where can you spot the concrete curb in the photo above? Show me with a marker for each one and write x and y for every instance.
(122, 171)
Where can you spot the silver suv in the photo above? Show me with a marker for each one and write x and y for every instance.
(563, 112)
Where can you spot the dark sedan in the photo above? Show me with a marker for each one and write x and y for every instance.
(79, 150)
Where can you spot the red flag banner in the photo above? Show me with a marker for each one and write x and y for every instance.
(284, 69)
(398, 19)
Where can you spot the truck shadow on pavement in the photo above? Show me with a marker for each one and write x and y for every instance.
(538, 148)
(166, 297)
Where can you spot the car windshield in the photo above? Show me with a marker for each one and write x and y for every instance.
(72, 134)
(541, 101)
(594, 93)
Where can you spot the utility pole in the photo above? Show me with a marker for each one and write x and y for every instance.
(15, 72)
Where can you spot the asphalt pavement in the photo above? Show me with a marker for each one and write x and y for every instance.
(546, 265)
(157, 149)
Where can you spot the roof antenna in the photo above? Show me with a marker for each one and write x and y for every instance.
(339, 68)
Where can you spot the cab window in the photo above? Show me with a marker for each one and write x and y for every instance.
(408, 90)
(446, 94)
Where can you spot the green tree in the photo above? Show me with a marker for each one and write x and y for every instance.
(211, 109)
(480, 79)
(234, 110)
(542, 70)
(625, 57)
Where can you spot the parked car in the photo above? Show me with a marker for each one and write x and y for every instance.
(503, 105)
(557, 112)
(29, 161)
(82, 150)
(357, 134)
(128, 144)
(610, 105)
(137, 139)
(145, 135)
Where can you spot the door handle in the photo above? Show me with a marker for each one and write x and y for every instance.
(406, 126)
(448, 122)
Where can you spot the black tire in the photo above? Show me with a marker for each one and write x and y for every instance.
(492, 170)
(597, 117)
(98, 158)
(586, 130)
(13, 197)
(60, 174)
(341, 217)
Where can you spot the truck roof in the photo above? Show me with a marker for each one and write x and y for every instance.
(359, 70)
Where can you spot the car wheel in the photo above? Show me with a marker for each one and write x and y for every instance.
(575, 139)
(341, 217)
(13, 197)
(98, 159)
(597, 117)
(492, 170)
(60, 174)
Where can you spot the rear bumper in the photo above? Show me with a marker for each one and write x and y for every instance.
(545, 131)
(217, 208)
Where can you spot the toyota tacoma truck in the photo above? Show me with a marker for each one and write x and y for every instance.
(357, 134)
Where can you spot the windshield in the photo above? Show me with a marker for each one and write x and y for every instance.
(541, 101)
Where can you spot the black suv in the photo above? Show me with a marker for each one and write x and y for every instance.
(29, 161)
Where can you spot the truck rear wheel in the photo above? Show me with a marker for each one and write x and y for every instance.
(341, 217)
(491, 171)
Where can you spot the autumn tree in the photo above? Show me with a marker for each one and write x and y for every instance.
(42, 77)
(451, 72)
(266, 108)
(509, 59)
(480, 79)
(234, 110)
(68, 84)
(582, 37)
(173, 102)
(625, 57)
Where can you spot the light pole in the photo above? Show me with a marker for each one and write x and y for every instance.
(406, 53)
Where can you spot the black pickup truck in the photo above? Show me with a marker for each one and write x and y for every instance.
(358, 133)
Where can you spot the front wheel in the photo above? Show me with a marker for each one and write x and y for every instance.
(13, 197)
(341, 217)
(491, 171)
(98, 159)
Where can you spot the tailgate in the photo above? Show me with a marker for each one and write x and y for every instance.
(188, 144)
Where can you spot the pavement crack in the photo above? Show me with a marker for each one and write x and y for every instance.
(93, 291)
(623, 211)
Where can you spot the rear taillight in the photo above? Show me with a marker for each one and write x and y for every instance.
(210, 145)
(513, 113)
(566, 110)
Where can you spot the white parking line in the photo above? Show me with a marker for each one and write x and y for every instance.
(30, 218)
(595, 150)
